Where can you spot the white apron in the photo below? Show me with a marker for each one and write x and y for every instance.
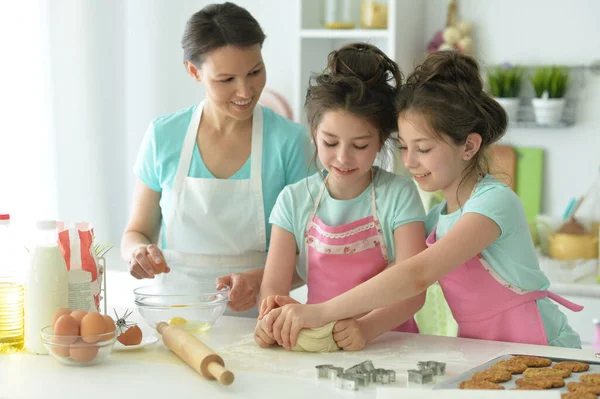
(216, 226)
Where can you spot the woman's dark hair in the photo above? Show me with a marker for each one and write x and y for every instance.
(447, 91)
(361, 80)
(218, 25)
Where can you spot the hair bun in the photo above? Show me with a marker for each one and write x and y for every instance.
(364, 62)
(451, 68)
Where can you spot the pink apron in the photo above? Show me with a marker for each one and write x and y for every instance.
(338, 258)
(486, 306)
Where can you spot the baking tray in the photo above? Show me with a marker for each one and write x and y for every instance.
(453, 382)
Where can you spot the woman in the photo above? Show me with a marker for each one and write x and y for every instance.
(209, 175)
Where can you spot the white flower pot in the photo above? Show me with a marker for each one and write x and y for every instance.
(548, 111)
(510, 105)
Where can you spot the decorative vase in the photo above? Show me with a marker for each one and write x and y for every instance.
(548, 111)
(511, 106)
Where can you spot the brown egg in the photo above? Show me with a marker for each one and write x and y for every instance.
(62, 351)
(109, 327)
(66, 329)
(82, 352)
(59, 312)
(158, 268)
(92, 324)
(131, 336)
(78, 314)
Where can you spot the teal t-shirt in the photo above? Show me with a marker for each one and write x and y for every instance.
(396, 198)
(513, 254)
(285, 158)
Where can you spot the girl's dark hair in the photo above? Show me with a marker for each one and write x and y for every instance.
(447, 91)
(218, 25)
(361, 80)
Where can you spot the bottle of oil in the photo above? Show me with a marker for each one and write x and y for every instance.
(11, 291)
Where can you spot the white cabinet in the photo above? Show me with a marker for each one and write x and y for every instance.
(403, 41)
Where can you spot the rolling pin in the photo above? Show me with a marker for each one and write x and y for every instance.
(197, 355)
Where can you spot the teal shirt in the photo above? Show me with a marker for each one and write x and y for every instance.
(285, 158)
(396, 197)
(513, 254)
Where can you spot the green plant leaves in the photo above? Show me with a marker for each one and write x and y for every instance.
(505, 82)
(551, 79)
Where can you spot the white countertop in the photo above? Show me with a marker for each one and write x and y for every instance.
(586, 287)
(266, 373)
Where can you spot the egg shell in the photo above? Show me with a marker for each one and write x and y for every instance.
(59, 312)
(78, 314)
(66, 329)
(158, 268)
(82, 352)
(92, 324)
(109, 327)
(131, 336)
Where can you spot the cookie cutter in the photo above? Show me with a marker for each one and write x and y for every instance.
(334, 372)
(363, 379)
(364, 367)
(347, 383)
(322, 370)
(420, 376)
(437, 368)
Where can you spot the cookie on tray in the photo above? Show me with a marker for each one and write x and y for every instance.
(533, 361)
(470, 384)
(593, 378)
(492, 375)
(542, 382)
(582, 387)
(546, 372)
(575, 367)
(578, 395)
(513, 366)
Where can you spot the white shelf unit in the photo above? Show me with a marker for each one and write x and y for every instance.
(403, 41)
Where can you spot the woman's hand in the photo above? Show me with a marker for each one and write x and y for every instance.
(243, 290)
(141, 261)
(262, 337)
(274, 301)
(349, 335)
(285, 323)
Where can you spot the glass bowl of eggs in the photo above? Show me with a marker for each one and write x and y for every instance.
(192, 307)
(79, 338)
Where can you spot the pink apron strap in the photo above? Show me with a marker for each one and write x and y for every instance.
(566, 303)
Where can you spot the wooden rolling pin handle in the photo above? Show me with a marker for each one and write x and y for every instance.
(197, 355)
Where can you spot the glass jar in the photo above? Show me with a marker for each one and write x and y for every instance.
(338, 14)
(374, 14)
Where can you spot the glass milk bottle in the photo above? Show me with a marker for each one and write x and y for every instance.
(11, 290)
(46, 284)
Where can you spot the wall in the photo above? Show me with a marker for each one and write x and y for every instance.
(539, 32)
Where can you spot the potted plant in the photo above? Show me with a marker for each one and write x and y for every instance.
(505, 85)
(550, 85)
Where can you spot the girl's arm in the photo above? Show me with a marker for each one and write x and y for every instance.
(409, 240)
(281, 264)
(469, 236)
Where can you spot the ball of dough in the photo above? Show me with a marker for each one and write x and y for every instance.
(318, 339)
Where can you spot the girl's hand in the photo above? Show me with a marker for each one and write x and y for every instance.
(274, 301)
(349, 335)
(140, 266)
(243, 291)
(285, 323)
(262, 337)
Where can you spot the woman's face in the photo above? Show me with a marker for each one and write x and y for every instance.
(234, 78)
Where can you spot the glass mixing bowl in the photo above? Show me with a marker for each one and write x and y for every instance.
(73, 351)
(193, 307)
